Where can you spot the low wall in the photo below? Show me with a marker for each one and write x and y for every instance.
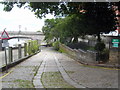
(114, 51)
(114, 56)
(79, 55)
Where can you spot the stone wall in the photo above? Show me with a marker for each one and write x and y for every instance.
(114, 52)
(79, 55)
(81, 45)
(114, 56)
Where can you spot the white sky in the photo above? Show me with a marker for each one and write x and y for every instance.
(20, 16)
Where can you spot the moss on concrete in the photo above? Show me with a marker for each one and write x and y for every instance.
(70, 72)
(24, 83)
(54, 80)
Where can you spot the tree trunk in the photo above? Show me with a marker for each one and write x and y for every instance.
(98, 37)
(75, 39)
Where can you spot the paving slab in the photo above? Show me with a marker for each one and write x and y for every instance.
(91, 77)
(50, 66)
(22, 74)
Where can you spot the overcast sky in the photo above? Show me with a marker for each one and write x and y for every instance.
(20, 17)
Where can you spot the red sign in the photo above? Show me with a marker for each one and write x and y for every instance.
(5, 35)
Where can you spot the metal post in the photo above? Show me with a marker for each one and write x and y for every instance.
(19, 51)
(40, 46)
(19, 32)
(29, 48)
(10, 55)
(25, 49)
(6, 60)
(37, 45)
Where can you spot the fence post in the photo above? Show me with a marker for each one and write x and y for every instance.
(25, 49)
(29, 48)
(0, 45)
(40, 46)
(19, 51)
(37, 45)
(10, 55)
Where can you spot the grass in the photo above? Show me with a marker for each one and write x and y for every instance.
(54, 80)
(24, 83)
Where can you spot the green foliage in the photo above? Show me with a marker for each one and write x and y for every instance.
(102, 52)
(100, 46)
(49, 30)
(38, 31)
(104, 55)
(97, 18)
(32, 47)
(56, 45)
(64, 29)
(91, 48)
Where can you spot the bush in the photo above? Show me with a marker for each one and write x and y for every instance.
(32, 47)
(104, 55)
(56, 45)
(102, 52)
(100, 46)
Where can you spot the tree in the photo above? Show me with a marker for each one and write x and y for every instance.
(98, 16)
(65, 29)
(74, 27)
(49, 24)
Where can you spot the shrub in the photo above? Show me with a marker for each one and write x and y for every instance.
(56, 45)
(100, 46)
(104, 55)
(32, 47)
(102, 52)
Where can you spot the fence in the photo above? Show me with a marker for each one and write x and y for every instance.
(22, 52)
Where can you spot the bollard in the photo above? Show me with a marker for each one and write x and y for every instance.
(19, 51)
(10, 55)
(25, 49)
